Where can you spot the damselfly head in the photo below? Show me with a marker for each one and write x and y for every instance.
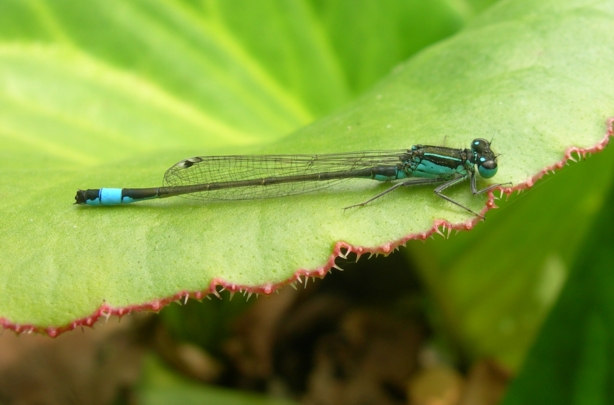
(485, 158)
(480, 146)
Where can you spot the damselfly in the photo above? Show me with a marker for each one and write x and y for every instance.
(267, 176)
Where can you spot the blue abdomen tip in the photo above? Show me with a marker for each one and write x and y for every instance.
(110, 196)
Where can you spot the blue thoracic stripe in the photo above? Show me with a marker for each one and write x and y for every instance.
(443, 157)
(426, 168)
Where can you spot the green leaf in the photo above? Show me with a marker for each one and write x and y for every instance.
(571, 360)
(169, 80)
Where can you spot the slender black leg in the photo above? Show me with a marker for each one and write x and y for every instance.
(475, 190)
(439, 190)
(451, 183)
(412, 182)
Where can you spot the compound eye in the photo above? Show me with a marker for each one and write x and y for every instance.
(480, 145)
(487, 169)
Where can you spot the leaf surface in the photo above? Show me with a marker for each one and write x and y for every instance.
(169, 80)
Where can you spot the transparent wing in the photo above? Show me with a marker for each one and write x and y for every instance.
(221, 169)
